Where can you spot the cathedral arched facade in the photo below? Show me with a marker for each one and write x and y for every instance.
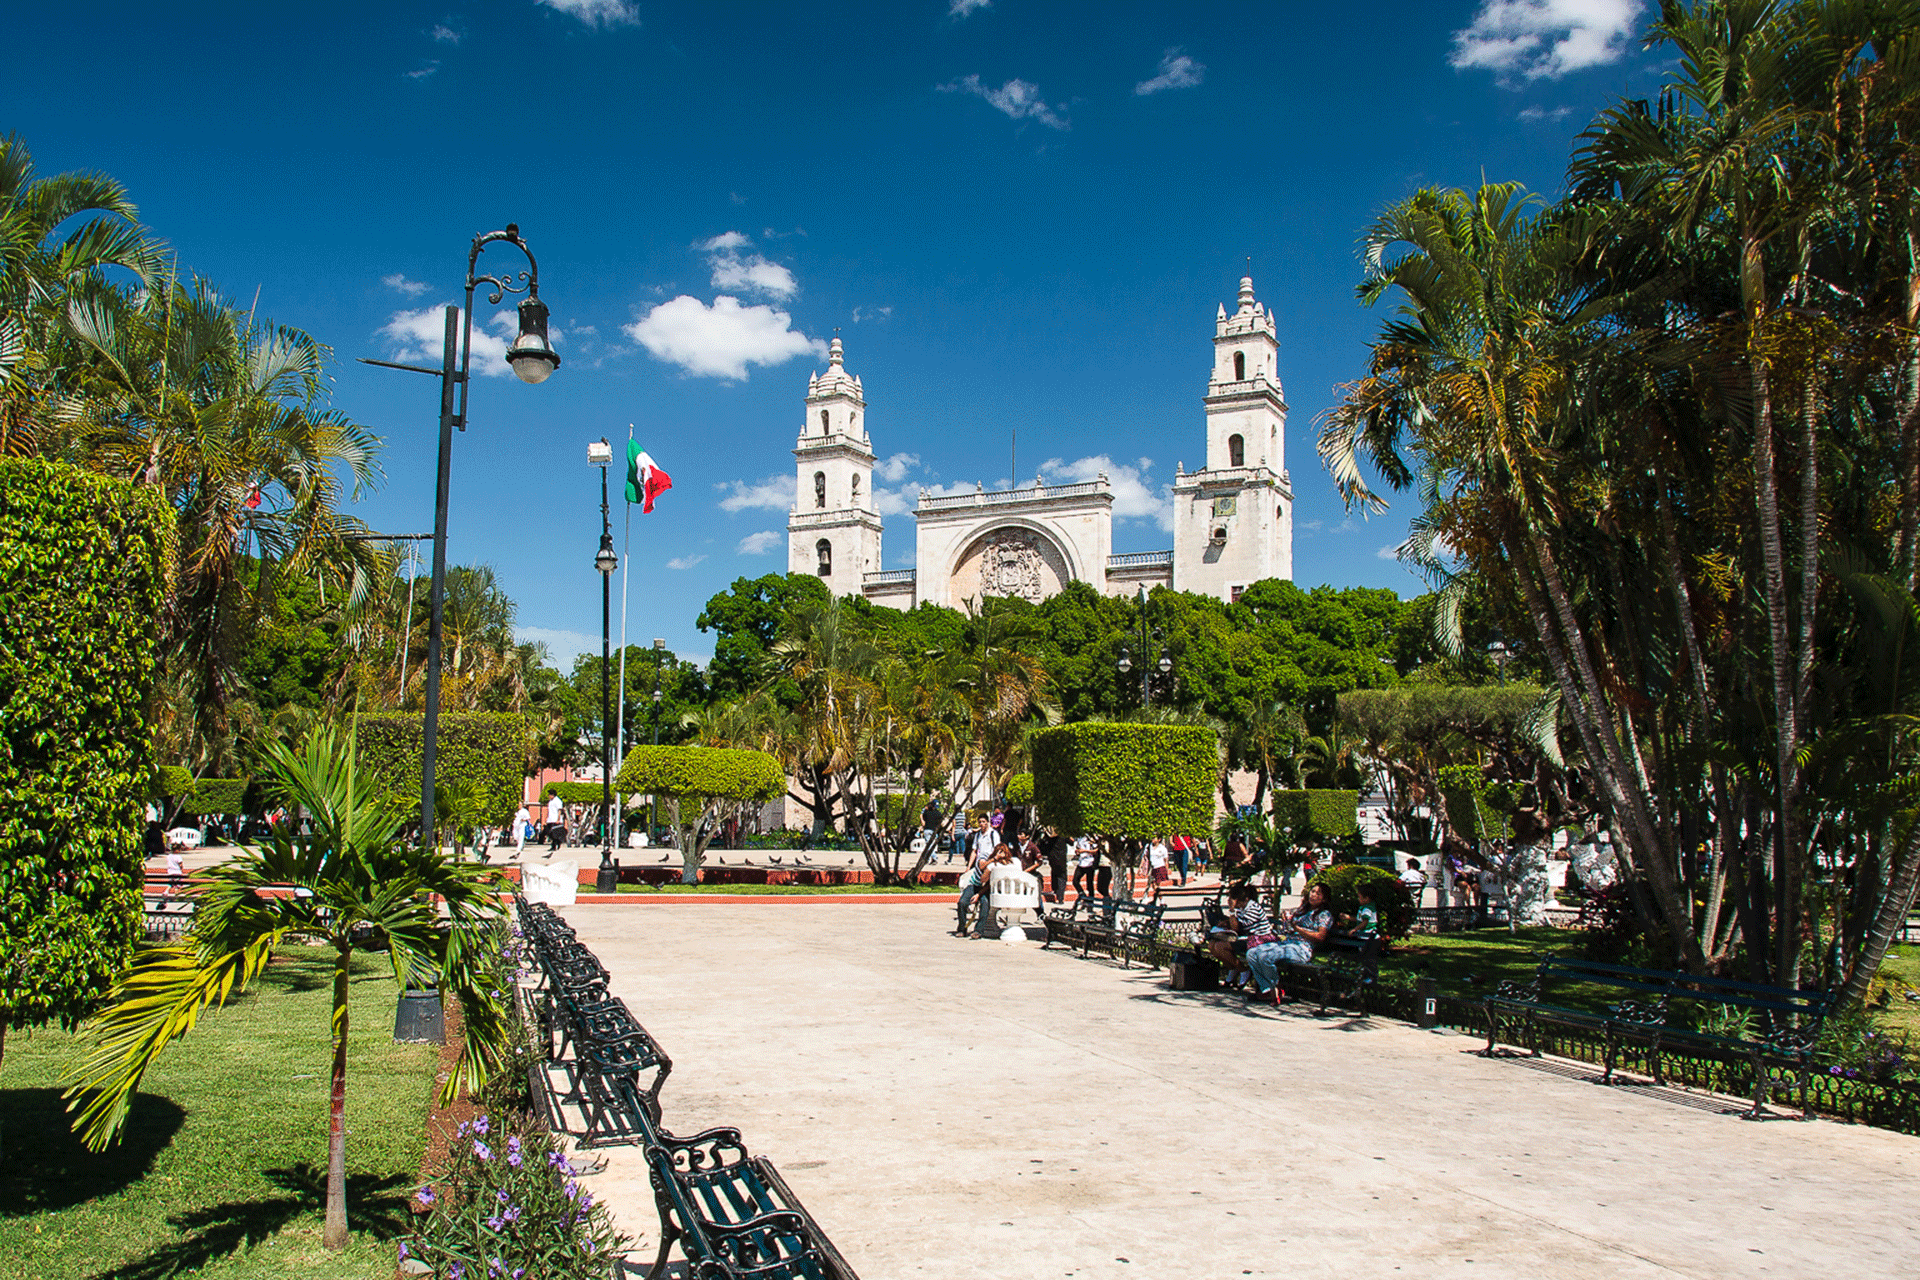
(1233, 518)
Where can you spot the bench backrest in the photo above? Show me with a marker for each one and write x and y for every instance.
(1802, 1009)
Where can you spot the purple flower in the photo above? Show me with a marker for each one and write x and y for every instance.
(586, 1199)
(501, 1196)
(482, 1150)
(573, 1189)
(480, 1123)
(494, 1223)
(424, 1195)
(557, 1160)
(513, 1152)
(455, 1271)
(512, 1214)
(403, 1251)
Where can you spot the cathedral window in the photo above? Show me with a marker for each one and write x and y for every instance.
(1239, 370)
(825, 551)
(823, 422)
(1236, 451)
(856, 491)
(820, 490)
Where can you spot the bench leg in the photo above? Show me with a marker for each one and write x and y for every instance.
(1606, 1077)
(1493, 1031)
(1758, 1111)
(1653, 1061)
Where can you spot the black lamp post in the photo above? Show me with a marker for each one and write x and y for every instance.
(532, 357)
(1148, 643)
(600, 455)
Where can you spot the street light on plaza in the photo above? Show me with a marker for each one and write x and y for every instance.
(600, 454)
(1148, 642)
(532, 359)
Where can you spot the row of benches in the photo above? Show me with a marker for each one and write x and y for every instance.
(727, 1212)
(1661, 1012)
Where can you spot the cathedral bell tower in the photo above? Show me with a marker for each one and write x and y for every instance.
(1233, 520)
(834, 529)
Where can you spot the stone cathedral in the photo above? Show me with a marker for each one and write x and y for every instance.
(1232, 522)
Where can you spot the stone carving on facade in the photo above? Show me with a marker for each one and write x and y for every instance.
(1010, 565)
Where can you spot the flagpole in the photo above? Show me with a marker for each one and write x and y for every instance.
(620, 735)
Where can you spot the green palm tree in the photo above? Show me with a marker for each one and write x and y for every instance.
(39, 265)
(349, 875)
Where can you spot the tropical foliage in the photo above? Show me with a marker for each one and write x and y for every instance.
(348, 877)
(1668, 429)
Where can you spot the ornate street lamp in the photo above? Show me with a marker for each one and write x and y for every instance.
(532, 359)
(600, 455)
(1149, 641)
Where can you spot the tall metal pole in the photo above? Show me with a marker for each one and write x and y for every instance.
(430, 732)
(1146, 659)
(620, 721)
(607, 880)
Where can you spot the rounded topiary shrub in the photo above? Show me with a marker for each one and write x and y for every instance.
(1390, 897)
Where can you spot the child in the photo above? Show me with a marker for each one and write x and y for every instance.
(1366, 920)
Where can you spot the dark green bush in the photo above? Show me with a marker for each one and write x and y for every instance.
(1319, 818)
(174, 782)
(223, 796)
(1390, 897)
(1129, 780)
(484, 749)
(1020, 789)
(1477, 809)
(82, 574)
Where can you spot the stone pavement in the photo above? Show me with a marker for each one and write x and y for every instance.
(955, 1108)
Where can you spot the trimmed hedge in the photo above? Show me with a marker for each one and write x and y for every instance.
(224, 796)
(1390, 898)
(1020, 789)
(174, 782)
(1321, 817)
(577, 792)
(1128, 780)
(726, 772)
(485, 749)
(83, 564)
(1476, 808)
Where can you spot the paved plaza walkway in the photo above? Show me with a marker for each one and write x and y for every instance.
(947, 1107)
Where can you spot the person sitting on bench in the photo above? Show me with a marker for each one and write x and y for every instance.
(1366, 917)
(1306, 926)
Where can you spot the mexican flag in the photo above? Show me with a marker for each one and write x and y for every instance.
(645, 480)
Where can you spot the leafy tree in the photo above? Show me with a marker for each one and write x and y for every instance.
(748, 619)
(717, 781)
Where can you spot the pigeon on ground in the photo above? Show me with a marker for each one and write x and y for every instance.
(775, 860)
(723, 862)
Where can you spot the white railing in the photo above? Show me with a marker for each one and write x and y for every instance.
(1141, 560)
(1005, 497)
(887, 578)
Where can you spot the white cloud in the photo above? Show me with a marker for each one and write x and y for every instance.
(1135, 496)
(562, 646)
(1017, 98)
(758, 544)
(1544, 39)
(1177, 71)
(425, 69)
(1535, 115)
(895, 502)
(417, 336)
(871, 313)
(895, 467)
(722, 340)
(962, 8)
(775, 493)
(400, 284)
(684, 562)
(1388, 553)
(446, 34)
(750, 273)
(597, 13)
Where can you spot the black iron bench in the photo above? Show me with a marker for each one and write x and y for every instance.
(732, 1216)
(1752, 1023)
(1341, 969)
(1068, 924)
(1131, 928)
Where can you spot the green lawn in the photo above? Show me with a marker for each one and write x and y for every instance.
(223, 1168)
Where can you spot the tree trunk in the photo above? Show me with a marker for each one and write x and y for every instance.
(336, 1229)
(1902, 887)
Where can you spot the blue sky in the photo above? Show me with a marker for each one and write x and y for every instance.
(1020, 215)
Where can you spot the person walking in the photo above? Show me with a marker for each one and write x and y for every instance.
(1158, 857)
(522, 819)
(1085, 856)
(973, 885)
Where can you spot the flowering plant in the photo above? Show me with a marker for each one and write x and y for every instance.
(509, 1206)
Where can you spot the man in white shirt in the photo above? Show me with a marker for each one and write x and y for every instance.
(520, 820)
(1415, 879)
(556, 824)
